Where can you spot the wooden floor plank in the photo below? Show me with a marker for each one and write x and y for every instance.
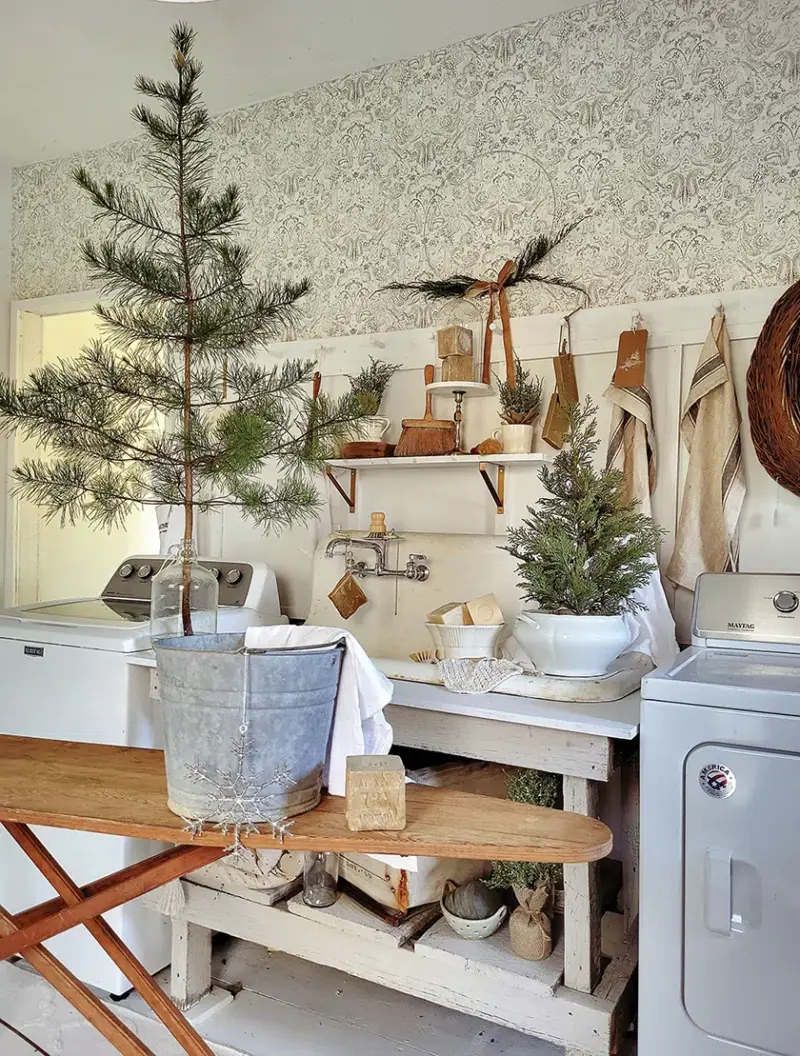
(122, 791)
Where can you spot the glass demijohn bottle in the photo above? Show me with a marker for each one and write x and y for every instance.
(183, 589)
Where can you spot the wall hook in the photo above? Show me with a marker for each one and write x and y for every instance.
(637, 322)
(376, 343)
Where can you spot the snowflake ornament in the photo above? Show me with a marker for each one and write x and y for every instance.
(236, 804)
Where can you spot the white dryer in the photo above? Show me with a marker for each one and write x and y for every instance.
(71, 670)
(719, 917)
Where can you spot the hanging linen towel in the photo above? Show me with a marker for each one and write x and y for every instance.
(359, 727)
(632, 443)
(708, 528)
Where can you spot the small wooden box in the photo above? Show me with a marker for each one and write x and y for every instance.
(458, 368)
(454, 341)
(376, 793)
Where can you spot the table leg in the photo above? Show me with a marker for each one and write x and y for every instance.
(183, 1032)
(191, 963)
(142, 878)
(630, 840)
(581, 901)
(79, 996)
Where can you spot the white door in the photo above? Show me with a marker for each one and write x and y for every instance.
(52, 560)
(742, 908)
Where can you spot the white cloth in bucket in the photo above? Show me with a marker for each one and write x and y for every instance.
(359, 727)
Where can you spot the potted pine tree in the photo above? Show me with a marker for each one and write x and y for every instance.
(170, 407)
(583, 552)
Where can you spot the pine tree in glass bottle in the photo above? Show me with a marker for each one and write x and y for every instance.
(169, 406)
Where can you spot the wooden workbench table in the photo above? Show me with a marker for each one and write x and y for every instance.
(122, 791)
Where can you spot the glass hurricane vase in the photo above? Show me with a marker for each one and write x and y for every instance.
(185, 596)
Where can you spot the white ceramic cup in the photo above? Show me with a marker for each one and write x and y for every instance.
(516, 439)
(373, 427)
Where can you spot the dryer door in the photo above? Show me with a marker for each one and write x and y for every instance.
(742, 887)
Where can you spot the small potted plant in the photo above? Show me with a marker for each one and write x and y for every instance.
(537, 886)
(368, 387)
(520, 404)
(583, 552)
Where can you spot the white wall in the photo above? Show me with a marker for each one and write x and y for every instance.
(5, 295)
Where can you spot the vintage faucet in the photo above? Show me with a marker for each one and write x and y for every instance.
(416, 570)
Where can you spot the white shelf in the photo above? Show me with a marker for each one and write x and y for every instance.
(469, 388)
(438, 460)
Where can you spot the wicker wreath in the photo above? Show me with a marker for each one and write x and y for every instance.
(773, 392)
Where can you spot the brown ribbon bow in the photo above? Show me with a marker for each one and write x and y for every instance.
(498, 296)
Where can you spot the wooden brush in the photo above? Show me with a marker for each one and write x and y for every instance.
(428, 435)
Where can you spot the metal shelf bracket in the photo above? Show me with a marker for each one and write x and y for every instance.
(498, 492)
(349, 498)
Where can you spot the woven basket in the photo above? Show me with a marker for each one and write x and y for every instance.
(773, 392)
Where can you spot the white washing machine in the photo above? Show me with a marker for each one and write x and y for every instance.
(71, 671)
(719, 965)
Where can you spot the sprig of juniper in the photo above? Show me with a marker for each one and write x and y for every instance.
(520, 403)
(584, 550)
(526, 269)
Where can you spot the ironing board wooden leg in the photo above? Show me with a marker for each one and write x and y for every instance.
(54, 905)
(183, 1032)
(79, 996)
(143, 877)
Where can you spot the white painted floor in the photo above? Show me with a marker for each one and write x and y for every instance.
(285, 1006)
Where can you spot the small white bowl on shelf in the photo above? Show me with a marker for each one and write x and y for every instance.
(468, 642)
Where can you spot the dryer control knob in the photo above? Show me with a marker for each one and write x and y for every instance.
(145, 571)
(786, 601)
(233, 576)
(215, 572)
(126, 571)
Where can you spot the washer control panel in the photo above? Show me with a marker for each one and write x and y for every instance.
(133, 580)
(746, 607)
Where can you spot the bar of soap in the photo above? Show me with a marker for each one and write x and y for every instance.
(485, 611)
(376, 793)
(451, 614)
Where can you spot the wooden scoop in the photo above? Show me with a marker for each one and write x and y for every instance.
(428, 435)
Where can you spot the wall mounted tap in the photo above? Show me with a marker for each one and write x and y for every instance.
(416, 570)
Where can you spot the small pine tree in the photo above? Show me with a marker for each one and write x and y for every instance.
(169, 407)
(584, 550)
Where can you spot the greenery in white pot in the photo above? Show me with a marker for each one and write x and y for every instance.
(583, 552)
(369, 385)
(521, 402)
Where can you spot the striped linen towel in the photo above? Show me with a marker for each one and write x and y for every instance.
(708, 527)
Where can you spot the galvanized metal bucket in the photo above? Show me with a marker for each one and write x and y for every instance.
(245, 731)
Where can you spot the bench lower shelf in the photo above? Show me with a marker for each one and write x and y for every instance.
(480, 981)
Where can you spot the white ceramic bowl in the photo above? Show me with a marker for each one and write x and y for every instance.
(472, 642)
(572, 645)
(474, 929)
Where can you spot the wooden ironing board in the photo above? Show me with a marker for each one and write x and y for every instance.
(122, 791)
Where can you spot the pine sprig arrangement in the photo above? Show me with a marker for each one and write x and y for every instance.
(370, 384)
(543, 790)
(520, 403)
(526, 269)
(169, 407)
(584, 550)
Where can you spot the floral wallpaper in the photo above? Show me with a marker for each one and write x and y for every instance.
(671, 124)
